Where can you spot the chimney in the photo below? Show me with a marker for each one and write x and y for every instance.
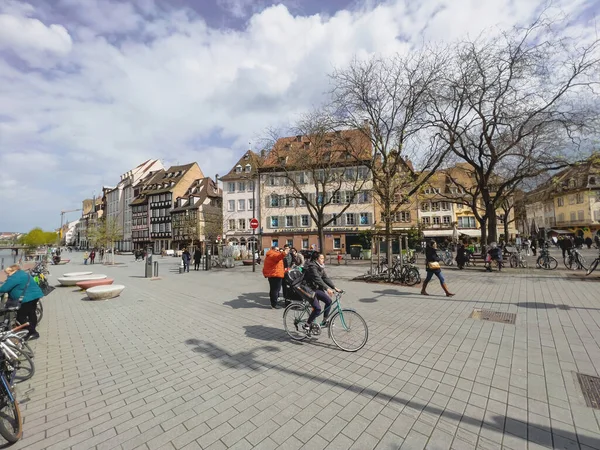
(263, 153)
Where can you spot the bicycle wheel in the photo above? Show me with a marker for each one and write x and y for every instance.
(581, 263)
(593, 266)
(39, 311)
(11, 423)
(24, 367)
(569, 263)
(348, 330)
(514, 261)
(523, 263)
(294, 316)
(412, 277)
(550, 264)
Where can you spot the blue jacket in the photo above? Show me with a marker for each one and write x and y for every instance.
(15, 284)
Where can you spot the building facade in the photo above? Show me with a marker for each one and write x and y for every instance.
(241, 191)
(299, 170)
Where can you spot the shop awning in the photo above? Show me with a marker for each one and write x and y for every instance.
(437, 233)
(470, 233)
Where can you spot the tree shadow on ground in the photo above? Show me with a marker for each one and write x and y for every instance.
(248, 360)
(250, 300)
(530, 305)
(383, 293)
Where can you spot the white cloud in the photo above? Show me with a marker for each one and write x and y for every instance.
(119, 87)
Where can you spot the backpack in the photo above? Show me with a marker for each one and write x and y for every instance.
(294, 277)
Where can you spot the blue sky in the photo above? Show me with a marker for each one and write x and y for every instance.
(92, 88)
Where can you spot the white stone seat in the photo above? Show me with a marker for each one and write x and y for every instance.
(104, 292)
(72, 281)
(76, 274)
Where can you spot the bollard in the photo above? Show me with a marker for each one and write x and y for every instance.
(181, 266)
(2, 264)
(156, 268)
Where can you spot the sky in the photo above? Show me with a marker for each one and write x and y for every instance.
(91, 88)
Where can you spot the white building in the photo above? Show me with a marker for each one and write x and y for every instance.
(118, 200)
(70, 236)
(240, 201)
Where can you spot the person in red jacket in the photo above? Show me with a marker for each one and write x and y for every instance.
(274, 271)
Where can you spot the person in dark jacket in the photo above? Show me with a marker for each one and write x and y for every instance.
(197, 259)
(288, 261)
(431, 256)
(316, 278)
(461, 255)
(186, 257)
(20, 284)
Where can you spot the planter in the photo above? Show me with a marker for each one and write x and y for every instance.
(366, 254)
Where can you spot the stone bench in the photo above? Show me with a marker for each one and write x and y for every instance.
(77, 274)
(72, 281)
(92, 283)
(104, 292)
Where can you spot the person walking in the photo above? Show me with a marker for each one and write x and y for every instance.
(23, 292)
(197, 259)
(461, 255)
(274, 271)
(186, 257)
(92, 256)
(85, 258)
(432, 266)
(297, 258)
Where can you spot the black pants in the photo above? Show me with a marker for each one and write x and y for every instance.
(274, 289)
(325, 298)
(197, 264)
(26, 313)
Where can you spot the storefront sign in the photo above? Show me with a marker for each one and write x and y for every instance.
(309, 230)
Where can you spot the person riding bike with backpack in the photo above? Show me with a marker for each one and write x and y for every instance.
(316, 278)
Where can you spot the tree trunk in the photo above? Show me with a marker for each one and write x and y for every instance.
(505, 227)
(321, 233)
(388, 238)
(483, 225)
(492, 221)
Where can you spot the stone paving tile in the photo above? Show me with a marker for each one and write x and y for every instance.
(214, 369)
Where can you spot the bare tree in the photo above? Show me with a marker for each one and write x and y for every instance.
(320, 169)
(511, 106)
(387, 99)
(105, 232)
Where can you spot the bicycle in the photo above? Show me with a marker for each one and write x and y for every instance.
(574, 260)
(545, 261)
(343, 323)
(406, 274)
(517, 259)
(446, 257)
(594, 263)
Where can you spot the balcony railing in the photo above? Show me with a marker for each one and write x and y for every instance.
(573, 223)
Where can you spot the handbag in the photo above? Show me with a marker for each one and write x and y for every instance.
(433, 265)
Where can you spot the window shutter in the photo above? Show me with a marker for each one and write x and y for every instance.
(370, 218)
(281, 222)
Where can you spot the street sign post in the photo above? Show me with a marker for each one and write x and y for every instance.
(254, 224)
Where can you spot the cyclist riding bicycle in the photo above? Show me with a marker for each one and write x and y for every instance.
(316, 278)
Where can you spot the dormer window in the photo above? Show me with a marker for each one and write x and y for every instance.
(238, 169)
(328, 143)
(299, 138)
(282, 160)
(592, 181)
(572, 183)
(248, 168)
(247, 156)
(306, 145)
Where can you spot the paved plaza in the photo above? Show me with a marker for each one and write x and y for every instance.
(201, 361)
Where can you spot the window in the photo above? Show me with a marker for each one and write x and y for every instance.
(592, 181)
(573, 216)
(561, 217)
(579, 197)
(289, 221)
(560, 201)
(300, 201)
(231, 205)
(335, 198)
(349, 174)
(274, 201)
(289, 242)
(571, 199)
(446, 220)
(445, 206)
(305, 243)
(241, 186)
(363, 173)
(230, 187)
(426, 220)
(168, 227)
(350, 219)
(242, 224)
(241, 205)
(250, 204)
(232, 224)
(161, 228)
(335, 219)
(155, 228)
(271, 181)
(275, 242)
(364, 197)
(364, 218)
(288, 201)
(304, 220)
(349, 196)
(435, 206)
(466, 222)
(424, 206)
(274, 222)
(403, 216)
(337, 243)
(238, 169)
(459, 206)
(580, 216)
(251, 186)
(300, 178)
(436, 220)
(248, 168)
